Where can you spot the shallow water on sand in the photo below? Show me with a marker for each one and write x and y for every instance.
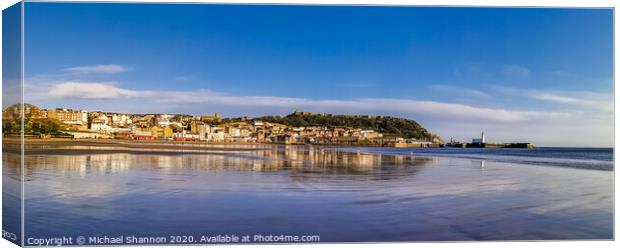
(341, 196)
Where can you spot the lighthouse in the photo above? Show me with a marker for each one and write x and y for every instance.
(481, 140)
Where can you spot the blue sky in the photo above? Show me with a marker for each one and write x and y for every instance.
(11, 55)
(520, 74)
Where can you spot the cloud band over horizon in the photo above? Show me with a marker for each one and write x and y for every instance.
(109, 91)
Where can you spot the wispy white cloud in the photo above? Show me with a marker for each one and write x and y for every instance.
(471, 69)
(107, 69)
(11, 91)
(90, 90)
(562, 74)
(459, 90)
(583, 99)
(183, 78)
(516, 70)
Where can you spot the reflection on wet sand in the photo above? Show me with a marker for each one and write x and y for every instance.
(296, 159)
(12, 166)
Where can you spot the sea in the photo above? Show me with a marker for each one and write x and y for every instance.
(584, 158)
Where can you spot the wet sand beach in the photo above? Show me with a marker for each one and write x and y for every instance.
(302, 190)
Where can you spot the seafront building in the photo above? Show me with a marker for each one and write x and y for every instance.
(205, 128)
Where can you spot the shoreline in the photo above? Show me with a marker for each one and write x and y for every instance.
(42, 146)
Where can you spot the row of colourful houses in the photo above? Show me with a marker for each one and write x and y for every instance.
(209, 128)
